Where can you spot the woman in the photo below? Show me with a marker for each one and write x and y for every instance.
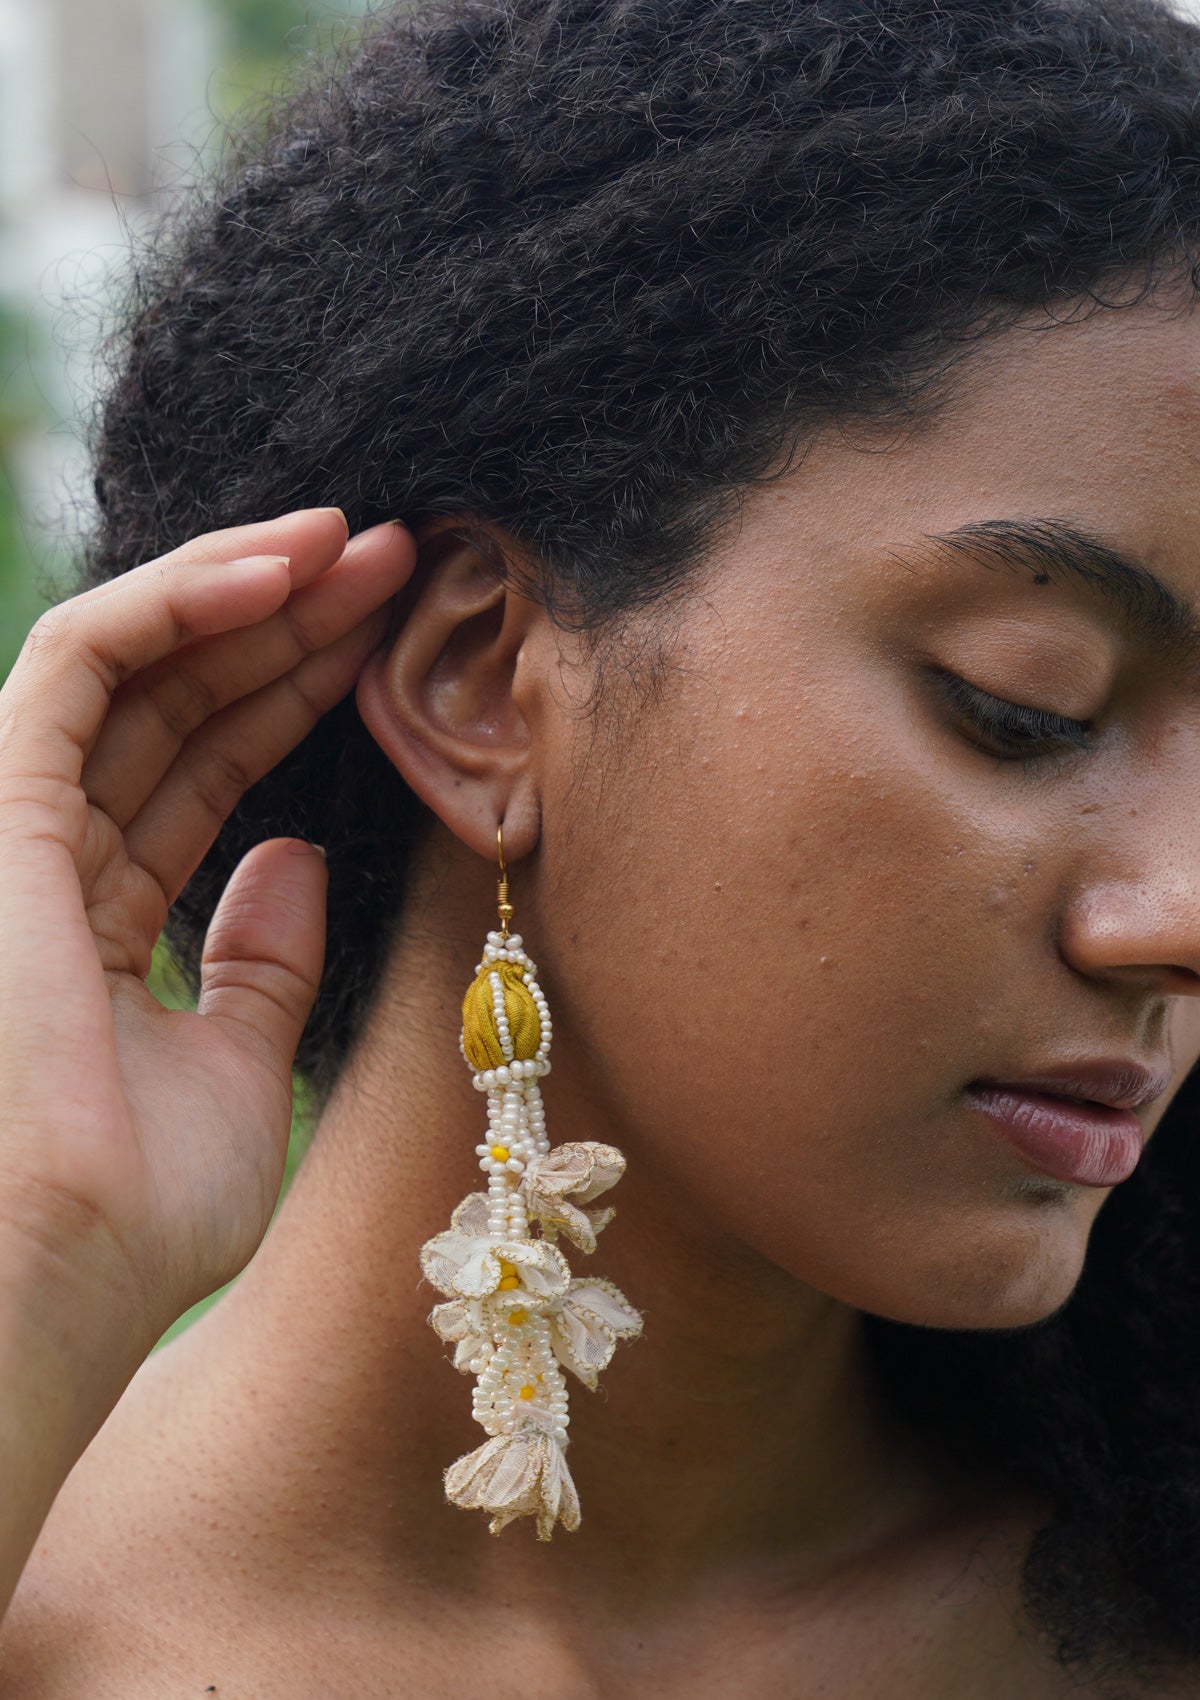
(768, 437)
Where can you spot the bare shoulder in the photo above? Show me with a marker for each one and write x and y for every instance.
(49, 1636)
(91, 1614)
(35, 1639)
(131, 1629)
(70, 1606)
(132, 1594)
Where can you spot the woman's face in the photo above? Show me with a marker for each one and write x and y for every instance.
(794, 905)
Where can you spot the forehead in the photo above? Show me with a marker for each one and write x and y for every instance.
(1095, 417)
(1121, 386)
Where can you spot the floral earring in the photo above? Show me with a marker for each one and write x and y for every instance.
(515, 1314)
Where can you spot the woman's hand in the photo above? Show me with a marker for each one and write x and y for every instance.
(142, 1149)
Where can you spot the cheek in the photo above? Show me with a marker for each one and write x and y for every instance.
(791, 946)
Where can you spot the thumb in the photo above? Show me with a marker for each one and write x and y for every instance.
(265, 949)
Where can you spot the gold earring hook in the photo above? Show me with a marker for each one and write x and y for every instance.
(503, 907)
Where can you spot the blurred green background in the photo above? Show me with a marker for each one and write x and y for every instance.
(105, 110)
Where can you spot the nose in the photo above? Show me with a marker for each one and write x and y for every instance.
(1138, 923)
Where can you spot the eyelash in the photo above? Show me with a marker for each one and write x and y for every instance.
(1019, 730)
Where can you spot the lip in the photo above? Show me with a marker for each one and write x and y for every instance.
(1097, 1143)
(1119, 1082)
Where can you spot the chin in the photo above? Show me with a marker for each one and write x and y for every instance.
(989, 1273)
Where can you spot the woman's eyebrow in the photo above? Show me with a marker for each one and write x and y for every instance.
(1146, 606)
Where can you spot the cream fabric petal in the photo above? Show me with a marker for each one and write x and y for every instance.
(600, 1218)
(556, 1184)
(513, 1475)
(561, 1170)
(461, 1321)
(480, 1274)
(469, 1348)
(542, 1267)
(471, 1216)
(501, 1473)
(580, 1169)
(509, 1515)
(451, 1320)
(560, 1501)
(574, 1223)
(556, 1211)
(607, 1303)
(608, 1165)
(586, 1326)
(442, 1257)
(580, 1226)
(581, 1346)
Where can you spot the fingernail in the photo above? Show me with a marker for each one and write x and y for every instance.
(384, 525)
(338, 511)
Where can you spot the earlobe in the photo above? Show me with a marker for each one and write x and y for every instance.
(441, 697)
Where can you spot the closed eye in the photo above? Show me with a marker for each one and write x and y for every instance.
(1011, 730)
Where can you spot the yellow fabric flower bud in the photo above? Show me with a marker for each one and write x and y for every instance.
(481, 1042)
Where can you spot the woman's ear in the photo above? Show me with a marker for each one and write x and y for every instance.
(445, 697)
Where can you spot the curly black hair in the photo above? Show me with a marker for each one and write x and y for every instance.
(587, 269)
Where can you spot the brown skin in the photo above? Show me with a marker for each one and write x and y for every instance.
(783, 912)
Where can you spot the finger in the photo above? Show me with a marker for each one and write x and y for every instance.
(57, 694)
(173, 832)
(265, 950)
(321, 531)
(315, 536)
(153, 714)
